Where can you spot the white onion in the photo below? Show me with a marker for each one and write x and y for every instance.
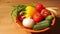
(28, 22)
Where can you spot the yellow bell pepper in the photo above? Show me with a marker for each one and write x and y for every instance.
(30, 11)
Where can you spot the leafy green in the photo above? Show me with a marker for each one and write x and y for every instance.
(17, 9)
(33, 5)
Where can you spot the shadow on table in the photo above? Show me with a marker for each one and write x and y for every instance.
(54, 30)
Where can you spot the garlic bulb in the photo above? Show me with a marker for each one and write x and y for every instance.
(52, 10)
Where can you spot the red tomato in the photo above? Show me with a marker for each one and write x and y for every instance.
(37, 17)
(39, 7)
(45, 13)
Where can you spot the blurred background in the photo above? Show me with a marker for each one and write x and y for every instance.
(9, 27)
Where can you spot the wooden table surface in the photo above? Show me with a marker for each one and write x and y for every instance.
(9, 27)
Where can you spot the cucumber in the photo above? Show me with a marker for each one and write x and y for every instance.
(49, 18)
(41, 25)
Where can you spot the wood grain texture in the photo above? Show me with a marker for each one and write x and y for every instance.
(9, 27)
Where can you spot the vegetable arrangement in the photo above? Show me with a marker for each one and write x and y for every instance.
(36, 16)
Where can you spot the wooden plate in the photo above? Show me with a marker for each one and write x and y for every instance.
(31, 30)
